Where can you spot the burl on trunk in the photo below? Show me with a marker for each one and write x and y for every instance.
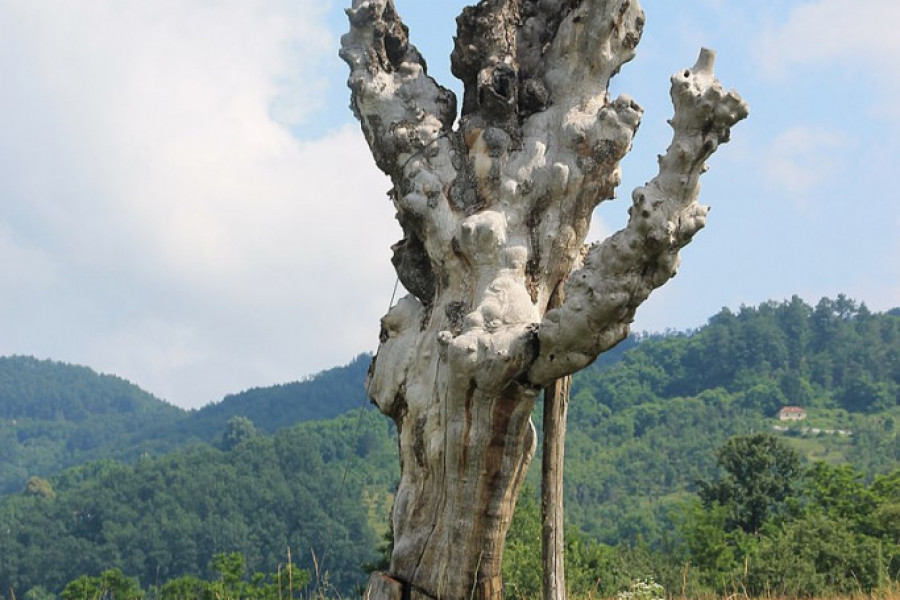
(494, 210)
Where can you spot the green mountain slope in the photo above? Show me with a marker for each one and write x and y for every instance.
(644, 430)
(47, 390)
(644, 424)
(308, 488)
(322, 396)
(54, 415)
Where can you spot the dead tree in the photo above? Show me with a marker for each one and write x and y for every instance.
(494, 210)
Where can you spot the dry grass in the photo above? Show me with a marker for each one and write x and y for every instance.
(891, 592)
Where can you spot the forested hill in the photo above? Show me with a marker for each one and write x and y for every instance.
(311, 487)
(323, 396)
(54, 415)
(837, 354)
(644, 425)
(643, 430)
(48, 390)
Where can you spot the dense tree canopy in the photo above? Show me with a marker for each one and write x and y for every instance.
(304, 488)
(53, 415)
(761, 471)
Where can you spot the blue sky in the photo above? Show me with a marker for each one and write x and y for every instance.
(185, 200)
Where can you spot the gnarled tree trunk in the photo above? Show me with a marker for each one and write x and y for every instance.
(494, 212)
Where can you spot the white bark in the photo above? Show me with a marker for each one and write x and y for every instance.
(494, 215)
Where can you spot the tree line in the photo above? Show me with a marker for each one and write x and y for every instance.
(318, 488)
(643, 429)
(55, 415)
(231, 582)
(766, 524)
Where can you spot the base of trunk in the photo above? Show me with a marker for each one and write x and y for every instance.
(383, 586)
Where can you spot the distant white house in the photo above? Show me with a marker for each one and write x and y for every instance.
(791, 413)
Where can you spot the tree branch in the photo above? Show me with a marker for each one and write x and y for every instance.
(484, 59)
(591, 45)
(402, 110)
(619, 273)
(407, 120)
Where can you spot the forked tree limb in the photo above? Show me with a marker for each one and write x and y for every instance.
(619, 273)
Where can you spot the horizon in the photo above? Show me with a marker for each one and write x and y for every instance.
(347, 362)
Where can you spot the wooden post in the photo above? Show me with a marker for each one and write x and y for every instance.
(556, 404)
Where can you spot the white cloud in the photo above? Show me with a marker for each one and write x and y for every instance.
(293, 279)
(803, 158)
(151, 187)
(858, 37)
(23, 267)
